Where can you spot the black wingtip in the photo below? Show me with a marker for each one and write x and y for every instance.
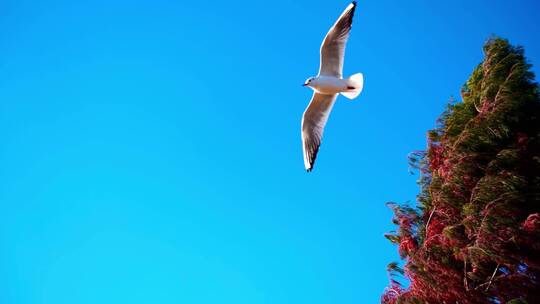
(354, 3)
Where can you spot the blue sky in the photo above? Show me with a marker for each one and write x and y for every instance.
(150, 150)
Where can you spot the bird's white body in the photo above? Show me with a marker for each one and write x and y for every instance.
(329, 85)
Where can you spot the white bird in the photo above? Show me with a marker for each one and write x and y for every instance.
(328, 84)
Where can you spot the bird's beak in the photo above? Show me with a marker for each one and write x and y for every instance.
(305, 84)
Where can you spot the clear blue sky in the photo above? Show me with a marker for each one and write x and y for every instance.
(150, 150)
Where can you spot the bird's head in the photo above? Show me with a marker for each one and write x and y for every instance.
(309, 82)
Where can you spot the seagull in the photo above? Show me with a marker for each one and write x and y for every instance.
(328, 84)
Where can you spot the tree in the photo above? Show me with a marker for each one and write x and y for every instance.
(475, 235)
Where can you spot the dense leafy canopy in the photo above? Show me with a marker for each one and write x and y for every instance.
(475, 235)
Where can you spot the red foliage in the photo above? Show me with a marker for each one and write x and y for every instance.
(532, 223)
(392, 294)
(487, 106)
(406, 245)
(435, 156)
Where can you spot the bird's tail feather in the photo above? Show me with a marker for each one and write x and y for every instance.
(356, 84)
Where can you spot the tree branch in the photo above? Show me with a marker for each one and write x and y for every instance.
(492, 276)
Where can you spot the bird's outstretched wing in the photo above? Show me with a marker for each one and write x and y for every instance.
(333, 46)
(313, 123)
